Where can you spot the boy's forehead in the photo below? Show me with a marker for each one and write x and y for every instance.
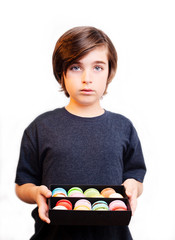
(97, 54)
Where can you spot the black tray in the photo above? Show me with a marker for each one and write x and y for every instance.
(83, 217)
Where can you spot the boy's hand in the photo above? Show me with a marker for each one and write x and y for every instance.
(30, 193)
(133, 191)
(42, 193)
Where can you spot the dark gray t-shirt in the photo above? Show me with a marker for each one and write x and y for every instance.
(61, 148)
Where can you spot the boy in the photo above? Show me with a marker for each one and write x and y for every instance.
(81, 143)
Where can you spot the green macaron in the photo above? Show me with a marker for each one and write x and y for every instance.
(92, 192)
(74, 190)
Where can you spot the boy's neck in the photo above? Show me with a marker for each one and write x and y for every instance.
(85, 111)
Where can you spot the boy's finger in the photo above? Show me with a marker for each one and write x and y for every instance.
(132, 199)
(46, 192)
(131, 194)
(133, 204)
(43, 214)
(128, 193)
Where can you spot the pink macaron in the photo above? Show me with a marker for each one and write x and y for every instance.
(82, 204)
(77, 194)
(117, 205)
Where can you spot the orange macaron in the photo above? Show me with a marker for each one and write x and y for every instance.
(106, 192)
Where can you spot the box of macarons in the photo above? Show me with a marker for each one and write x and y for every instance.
(89, 205)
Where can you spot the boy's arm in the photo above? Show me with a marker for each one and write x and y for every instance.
(134, 189)
(31, 193)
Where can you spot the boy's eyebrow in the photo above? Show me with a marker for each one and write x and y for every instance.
(95, 62)
(100, 62)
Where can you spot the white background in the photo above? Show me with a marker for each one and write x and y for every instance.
(143, 90)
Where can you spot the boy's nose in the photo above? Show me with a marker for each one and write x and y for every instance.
(86, 78)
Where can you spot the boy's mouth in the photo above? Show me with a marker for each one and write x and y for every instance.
(86, 90)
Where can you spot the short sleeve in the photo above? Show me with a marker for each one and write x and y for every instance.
(29, 169)
(134, 165)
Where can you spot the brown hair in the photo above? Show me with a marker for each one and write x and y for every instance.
(75, 44)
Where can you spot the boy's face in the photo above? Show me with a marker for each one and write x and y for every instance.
(86, 79)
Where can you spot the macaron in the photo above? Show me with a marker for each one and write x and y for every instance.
(100, 206)
(117, 205)
(59, 192)
(106, 192)
(82, 204)
(74, 190)
(92, 192)
(77, 194)
(82, 208)
(115, 195)
(65, 203)
(60, 208)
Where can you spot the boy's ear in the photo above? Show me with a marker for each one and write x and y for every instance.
(62, 79)
(64, 75)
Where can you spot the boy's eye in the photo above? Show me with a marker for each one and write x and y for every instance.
(98, 68)
(75, 68)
